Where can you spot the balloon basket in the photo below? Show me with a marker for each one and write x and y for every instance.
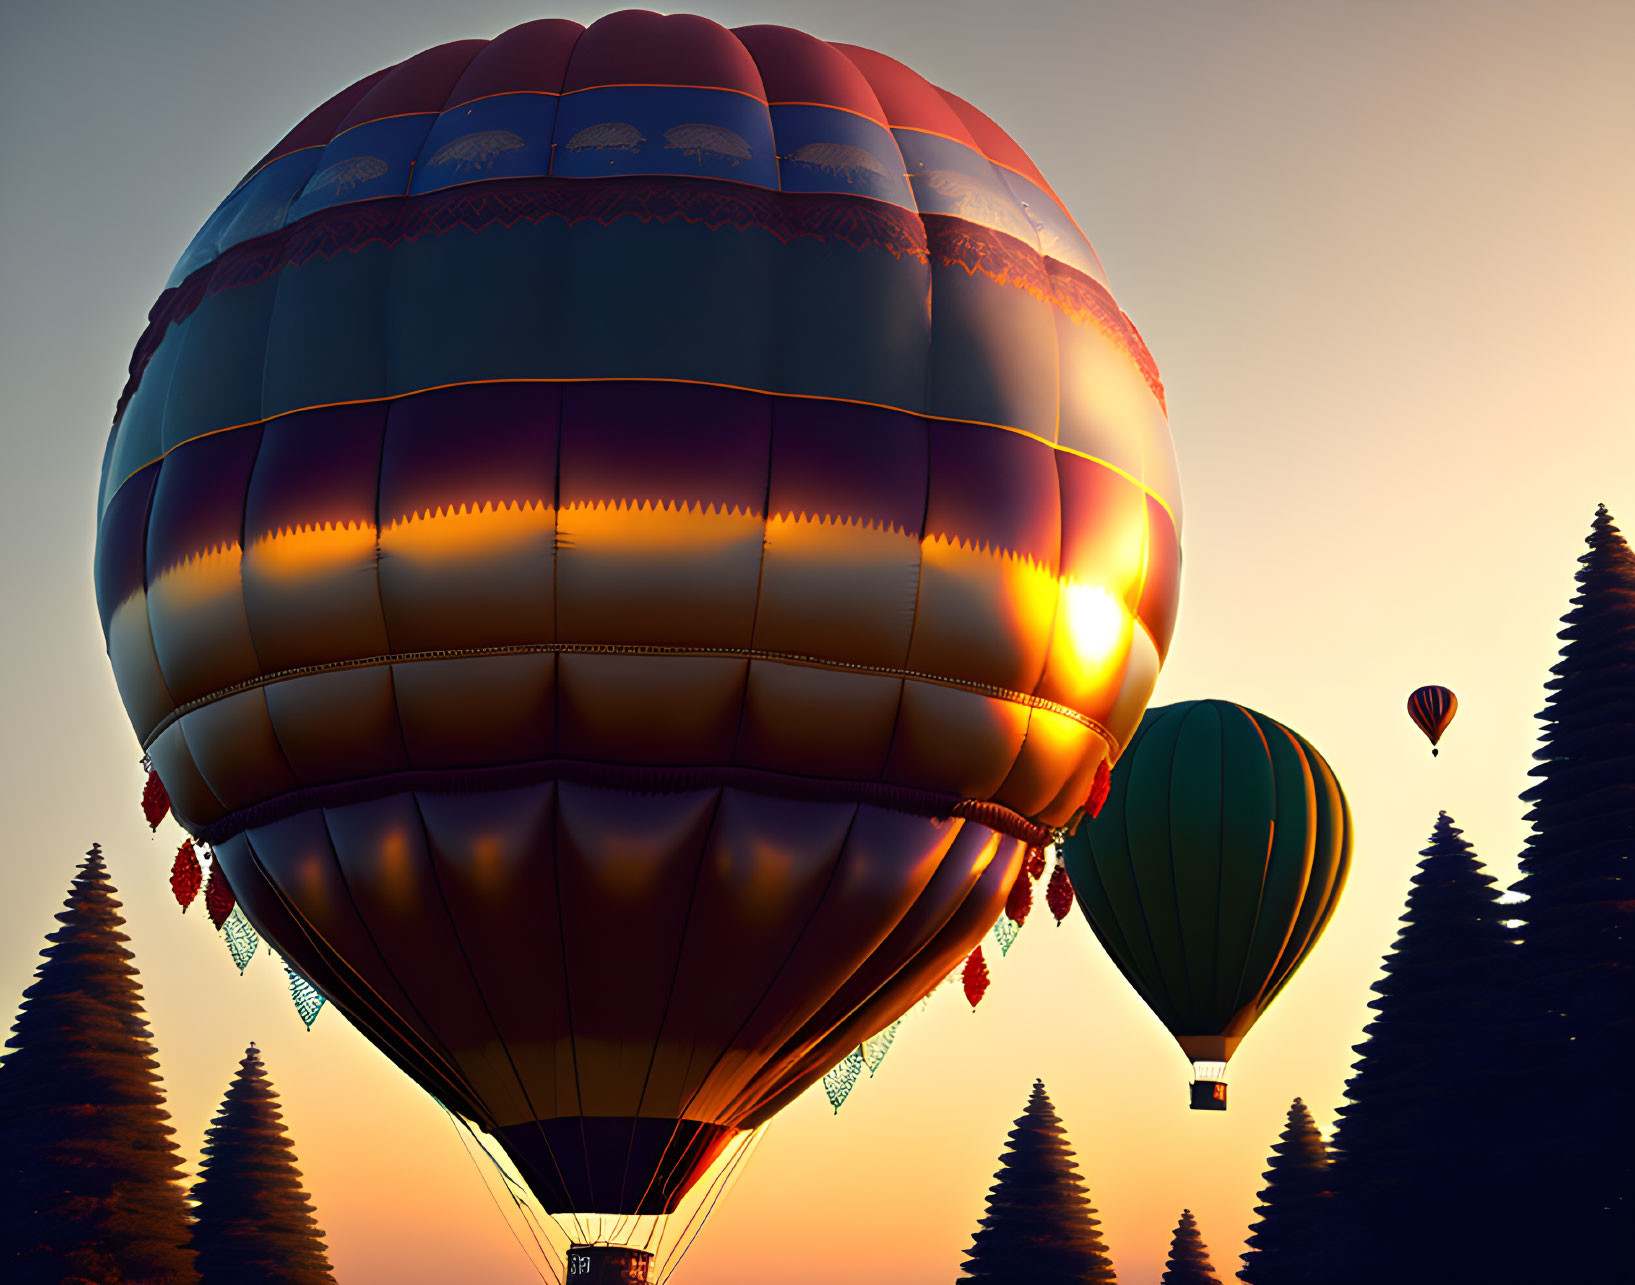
(1208, 1095)
(607, 1265)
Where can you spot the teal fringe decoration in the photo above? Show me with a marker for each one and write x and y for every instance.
(838, 1083)
(242, 939)
(876, 1047)
(308, 1001)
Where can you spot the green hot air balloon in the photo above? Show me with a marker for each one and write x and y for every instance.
(1211, 871)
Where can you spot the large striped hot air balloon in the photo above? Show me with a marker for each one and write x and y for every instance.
(620, 538)
(1212, 870)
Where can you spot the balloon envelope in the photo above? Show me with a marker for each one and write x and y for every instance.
(1432, 709)
(620, 537)
(1213, 867)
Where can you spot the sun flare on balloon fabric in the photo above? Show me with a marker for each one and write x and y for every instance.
(621, 538)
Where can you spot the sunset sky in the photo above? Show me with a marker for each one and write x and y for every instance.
(1381, 251)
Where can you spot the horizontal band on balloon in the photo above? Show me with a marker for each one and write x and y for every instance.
(210, 631)
(648, 712)
(815, 147)
(606, 1165)
(685, 576)
(188, 788)
(321, 586)
(627, 649)
(560, 950)
(839, 309)
(818, 149)
(766, 63)
(803, 144)
(817, 907)
(568, 469)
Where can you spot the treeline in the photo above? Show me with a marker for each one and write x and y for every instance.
(1040, 1227)
(1488, 1130)
(1489, 1123)
(90, 1179)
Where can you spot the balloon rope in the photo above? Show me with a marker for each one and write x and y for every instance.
(482, 999)
(720, 1187)
(669, 999)
(578, 1236)
(518, 1193)
(345, 975)
(674, 1130)
(499, 1209)
(794, 946)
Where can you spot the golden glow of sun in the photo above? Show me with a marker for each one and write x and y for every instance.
(292, 553)
(1093, 629)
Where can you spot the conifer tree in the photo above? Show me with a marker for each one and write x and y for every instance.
(1576, 1125)
(1418, 1181)
(1188, 1262)
(1285, 1245)
(89, 1176)
(1040, 1228)
(255, 1223)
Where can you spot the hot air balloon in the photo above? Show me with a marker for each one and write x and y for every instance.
(1212, 870)
(1432, 709)
(619, 599)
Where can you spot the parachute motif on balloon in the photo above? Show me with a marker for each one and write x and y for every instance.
(476, 151)
(1212, 870)
(618, 638)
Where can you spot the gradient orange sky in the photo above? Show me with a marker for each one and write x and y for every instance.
(1382, 253)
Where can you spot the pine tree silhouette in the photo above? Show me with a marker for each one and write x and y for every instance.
(89, 1176)
(1040, 1228)
(1284, 1244)
(255, 1223)
(1188, 1256)
(1417, 1155)
(1577, 1121)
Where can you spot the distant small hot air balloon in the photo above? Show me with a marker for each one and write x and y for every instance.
(1432, 709)
(1212, 870)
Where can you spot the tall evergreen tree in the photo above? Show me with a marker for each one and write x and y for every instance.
(1040, 1228)
(255, 1223)
(1577, 1121)
(1188, 1262)
(89, 1176)
(1286, 1245)
(1417, 1175)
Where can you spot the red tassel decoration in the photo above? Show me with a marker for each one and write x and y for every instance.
(1059, 896)
(155, 802)
(1020, 901)
(1034, 864)
(185, 875)
(1098, 789)
(975, 978)
(218, 896)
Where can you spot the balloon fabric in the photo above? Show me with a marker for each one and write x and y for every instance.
(620, 538)
(1217, 861)
(1432, 709)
